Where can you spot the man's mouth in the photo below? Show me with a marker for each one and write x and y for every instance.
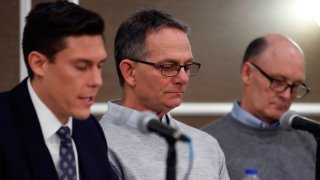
(88, 100)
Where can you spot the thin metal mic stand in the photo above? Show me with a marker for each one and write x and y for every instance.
(317, 136)
(171, 160)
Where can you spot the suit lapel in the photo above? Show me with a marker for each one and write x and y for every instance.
(86, 162)
(28, 126)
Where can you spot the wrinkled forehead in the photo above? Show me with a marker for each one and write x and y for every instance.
(168, 43)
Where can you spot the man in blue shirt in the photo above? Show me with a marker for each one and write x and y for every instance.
(273, 75)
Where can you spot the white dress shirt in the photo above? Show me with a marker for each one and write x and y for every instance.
(49, 126)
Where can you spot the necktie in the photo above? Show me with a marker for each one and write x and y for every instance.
(67, 161)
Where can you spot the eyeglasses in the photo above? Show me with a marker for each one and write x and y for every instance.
(297, 90)
(172, 69)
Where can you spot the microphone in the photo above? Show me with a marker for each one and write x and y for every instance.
(149, 122)
(291, 119)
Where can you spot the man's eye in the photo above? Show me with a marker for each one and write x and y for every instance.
(280, 83)
(187, 67)
(168, 66)
(100, 66)
(81, 67)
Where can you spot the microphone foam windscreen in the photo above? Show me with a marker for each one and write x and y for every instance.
(144, 119)
(286, 119)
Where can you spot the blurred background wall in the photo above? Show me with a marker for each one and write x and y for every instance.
(220, 32)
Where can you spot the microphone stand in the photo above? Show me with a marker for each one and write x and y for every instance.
(171, 159)
(317, 136)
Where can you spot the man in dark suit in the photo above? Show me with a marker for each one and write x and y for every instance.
(64, 52)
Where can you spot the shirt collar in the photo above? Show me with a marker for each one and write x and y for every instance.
(245, 117)
(48, 122)
(122, 113)
(131, 116)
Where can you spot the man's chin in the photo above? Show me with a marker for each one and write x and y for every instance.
(276, 116)
(175, 104)
(81, 115)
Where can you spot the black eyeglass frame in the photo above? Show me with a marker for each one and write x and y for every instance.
(301, 87)
(160, 66)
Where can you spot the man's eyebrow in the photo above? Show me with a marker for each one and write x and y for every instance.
(88, 61)
(284, 78)
(174, 61)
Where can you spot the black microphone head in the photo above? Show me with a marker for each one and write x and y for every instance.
(145, 118)
(286, 119)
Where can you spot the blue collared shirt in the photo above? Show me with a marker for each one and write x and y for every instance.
(248, 119)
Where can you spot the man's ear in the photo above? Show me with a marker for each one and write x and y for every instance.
(246, 73)
(127, 69)
(37, 62)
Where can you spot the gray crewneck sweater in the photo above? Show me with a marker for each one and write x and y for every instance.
(277, 154)
(138, 156)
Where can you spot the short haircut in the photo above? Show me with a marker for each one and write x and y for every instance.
(131, 35)
(256, 47)
(48, 24)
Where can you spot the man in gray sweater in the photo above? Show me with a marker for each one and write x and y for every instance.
(154, 62)
(273, 75)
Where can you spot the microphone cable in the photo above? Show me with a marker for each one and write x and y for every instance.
(190, 164)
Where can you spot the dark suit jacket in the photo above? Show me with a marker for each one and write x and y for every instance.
(23, 152)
